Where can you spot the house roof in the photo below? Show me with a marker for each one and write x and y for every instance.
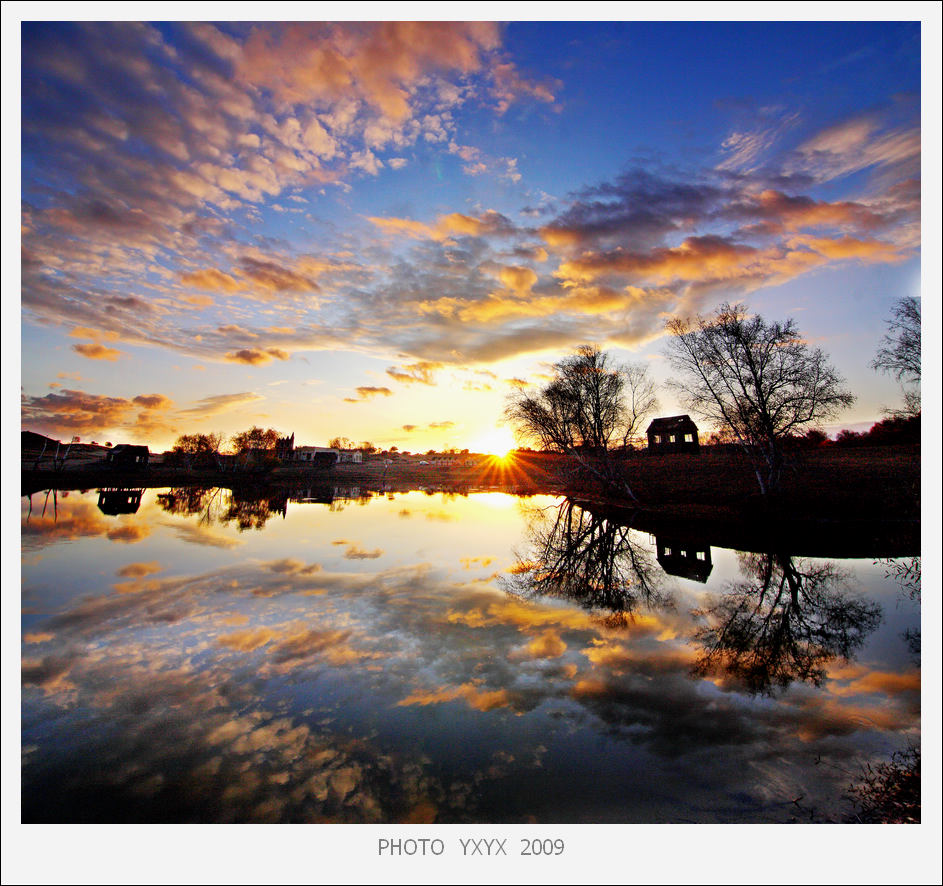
(672, 423)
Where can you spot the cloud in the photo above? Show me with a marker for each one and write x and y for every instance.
(153, 401)
(137, 570)
(446, 227)
(291, 566)
(365, 392)
(218, 403)
(212, 279)
(858, 143)
(69, 413)
(472, 695)
(547, 645)
(156, 156)
(97, 351)
(355, 552)
(257, 356)
(421, 372)
(509, 86)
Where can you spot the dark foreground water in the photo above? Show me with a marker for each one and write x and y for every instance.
(199, 655)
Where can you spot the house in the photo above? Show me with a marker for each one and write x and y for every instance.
(685, 559)
(315, 456)
(116, 501)
(676, 433)
(125, 455)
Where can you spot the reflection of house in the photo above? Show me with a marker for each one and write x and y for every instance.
(684, 559)
(349, 456)
(124, 455)
(677, 433)
(119, 501)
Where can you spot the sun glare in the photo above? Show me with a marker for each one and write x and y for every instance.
(499, 442)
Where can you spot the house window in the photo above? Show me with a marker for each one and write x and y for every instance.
(667, 552)
(702, 555)
(657, 439)
(689, 438)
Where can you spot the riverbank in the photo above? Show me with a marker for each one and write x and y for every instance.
(867, 495)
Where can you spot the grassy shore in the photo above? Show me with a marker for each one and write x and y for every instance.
(865, 491)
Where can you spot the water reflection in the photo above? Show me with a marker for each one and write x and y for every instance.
(247, 507)
(686, 559)
(366, 664)
(784, 622)
(578, 555)
(116, 501)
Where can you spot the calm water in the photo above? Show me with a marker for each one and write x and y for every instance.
(203, 656)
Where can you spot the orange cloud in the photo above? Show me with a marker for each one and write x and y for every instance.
(475, 698)
(211, 278)
(547, 645)
(448, 226)
(137, 570)
(129, 533)
(153, 401)
(97, 351)
(518, 279)
(247, 641)
(257, 356)
(364, 392)
(421, 372)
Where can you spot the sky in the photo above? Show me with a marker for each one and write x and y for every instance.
(381, 229)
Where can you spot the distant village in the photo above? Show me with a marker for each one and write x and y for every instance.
(39, 453)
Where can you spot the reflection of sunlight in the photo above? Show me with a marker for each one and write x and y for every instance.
(500, 500)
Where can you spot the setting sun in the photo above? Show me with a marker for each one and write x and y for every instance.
(499, 441)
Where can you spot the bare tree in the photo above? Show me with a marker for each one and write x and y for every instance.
(759, 381)
(900, 351)
(899, 354)
(590, 406)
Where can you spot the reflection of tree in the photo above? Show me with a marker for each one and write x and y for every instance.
(784, 623)
(248, 508)
(906, 574)
(251, 508)
(589, 559)
(188, 501)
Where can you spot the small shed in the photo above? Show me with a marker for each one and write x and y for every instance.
(117, 501)
(676, 433)
(125, 455)
(685, 559)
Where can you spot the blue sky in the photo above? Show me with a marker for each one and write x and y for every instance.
(376, 229)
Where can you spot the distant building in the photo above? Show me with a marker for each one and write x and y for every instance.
(284, 447)
(315, 456)
(676, 433)
(125, 455)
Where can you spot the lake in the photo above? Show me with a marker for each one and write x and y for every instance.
(336, 655)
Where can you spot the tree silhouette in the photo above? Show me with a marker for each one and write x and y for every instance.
(577, 555)
(758, 380)
(589, 407)
(254, 438)
(784, 623)
(899, 354)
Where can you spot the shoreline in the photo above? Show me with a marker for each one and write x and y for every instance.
(861, 503)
